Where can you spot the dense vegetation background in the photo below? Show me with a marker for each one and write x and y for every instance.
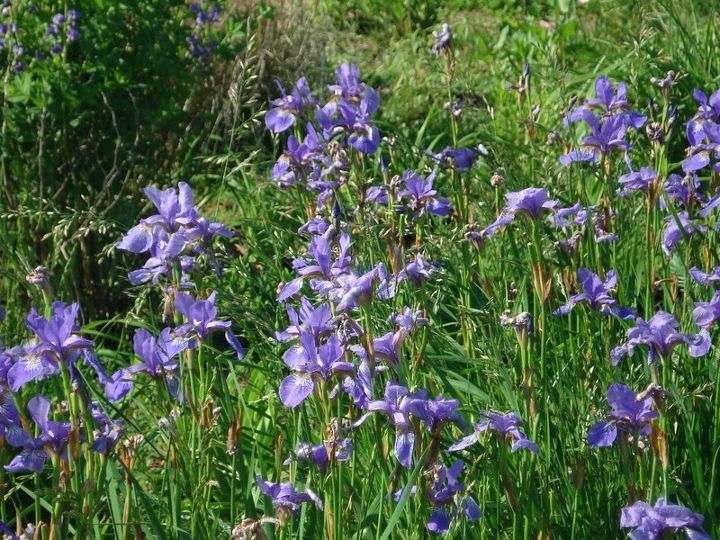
(148, 96)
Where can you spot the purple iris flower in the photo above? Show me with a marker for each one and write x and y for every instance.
(319, 264)
(705, 279)
(442, 496)
(388, 346)
(285, 498)
(318, 454)
(461, 159)
(359, 386)
(420, 195)
(10, 427)
(108, 431)
(364, 136)
(682, 190)
(316, 320)
(178, 226)
(200, 315)
(300, 161)
(656, 522)
(637, 181)
(350, 111)
(418, 270)
(56, 341)
(710, 205)
(398, 405)
(377, 195)
(505, 426)
(676, 228)
(609, 103)
(597, 294)
(72, 33)
(708, 108)
(53, 438)
(630, 415)
(286, 108)
(607, 135)
(576, 215)
(660, 335)
(350, 290)
(172, 206)
(158, 266)
(439, 411)
(157, 359)
(310, 362)
(529, 201)
(706, 314)
(443, 39)
(349, 87)
(704, 139)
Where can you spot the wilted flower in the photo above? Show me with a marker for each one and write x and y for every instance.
(443, 39)
(631, 415)
(654, 522)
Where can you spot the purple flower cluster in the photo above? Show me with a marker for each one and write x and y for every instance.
(531, 202)
(660, 335)
(53, 350)
(663, 519)
(321, 161)
(68, 23)
(200, 42)
(608, 130)
(414, 195)
(173, 237)
(505, 426)
(596, 293)
(158, 356)
(703, 134)
(591, 217)
(445, 496)
(631, 415)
